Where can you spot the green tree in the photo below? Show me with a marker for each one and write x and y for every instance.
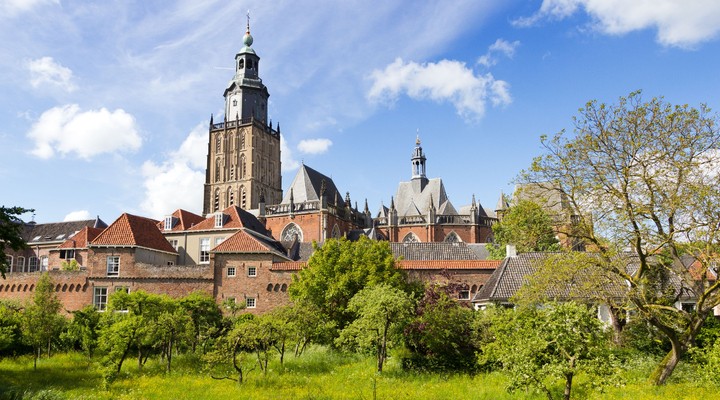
(228, 358)
(206, 317)
(84, 329)
(644, 175)
(338, 270)
(10, 325)
(174, 326)
(10, 233)
(440, 337)
(42, 320)
(527, 226)
(537, 346)
(382, 312)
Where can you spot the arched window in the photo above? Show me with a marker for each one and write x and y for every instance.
(243, 198)
(242, 140)
(218, 143)
(411, 238)
(269, 287)
(217, 200)
(241, 64)
(283, 287)
(335, 232)
(474, 288)
(217, 170)
(231, 197)
(292, 232)
(242, 166)
(452, 237)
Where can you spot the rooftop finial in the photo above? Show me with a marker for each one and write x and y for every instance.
(248, 39)
(248, 22)
(417, 139)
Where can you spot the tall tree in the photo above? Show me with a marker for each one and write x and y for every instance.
(42, 320)
(527, 226)
(644, 177)
(382, 312)
(10, 233)
(338, 270)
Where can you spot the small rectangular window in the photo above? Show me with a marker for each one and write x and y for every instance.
(9, 261)
(204, 250)
(67, 254)
(231, 271)
(219, 240)
(250, 302)
(19, 264)
(252, 271)
(100, 298)
(44, 263)
(173, 243)
(464, 295)
(113, 265)
(32, 264)
(219, 219)
(168, 223)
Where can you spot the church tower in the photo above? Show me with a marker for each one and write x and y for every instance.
(243, 162)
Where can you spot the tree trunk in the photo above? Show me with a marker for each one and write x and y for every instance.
(667, 365)
(37, 355)
(568, 385)
(618, 323)
(169, 355)
(140, 363)
(48, 347)
(282, 352)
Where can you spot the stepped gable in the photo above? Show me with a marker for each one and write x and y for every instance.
(185, 220)
(433, 251)
(81, 239)
(132, 230)
(235, 217)
(307, 186)
(57, 231)
(248, 241)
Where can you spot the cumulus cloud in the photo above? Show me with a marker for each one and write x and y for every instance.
(288, 161)
(69, 130)
(176, 182)
(314, 146)
(46, 71)
(500, 47)
(444, 81)
(678, 23)
(80, 215)
(11, 8)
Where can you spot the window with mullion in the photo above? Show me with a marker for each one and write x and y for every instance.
(113, 265)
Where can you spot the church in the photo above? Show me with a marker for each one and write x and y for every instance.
(252, 235)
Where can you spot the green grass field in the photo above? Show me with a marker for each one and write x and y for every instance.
(319, 374)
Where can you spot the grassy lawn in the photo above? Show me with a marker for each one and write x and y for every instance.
(320, 374)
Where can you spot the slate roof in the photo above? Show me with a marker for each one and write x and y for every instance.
(480, 249)
(248, 241)
(132, 230)
(509, 277)
(306, 187)
(81, 239)
(410, 202)
(235, 218)
(433, 251)
(448, 264)
(185, 221)
(57, 231)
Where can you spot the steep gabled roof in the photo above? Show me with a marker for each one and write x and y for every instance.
(57, 231)
(81, 239)
(135, 231)
(235, 218)
(185, 221)
(248, 241)
(409, 200)
(307, 185)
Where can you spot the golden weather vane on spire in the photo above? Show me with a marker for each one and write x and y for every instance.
(248, 21)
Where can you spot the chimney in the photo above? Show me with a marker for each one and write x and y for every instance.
(510, 250)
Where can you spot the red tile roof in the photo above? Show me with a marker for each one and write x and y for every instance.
(449, 264)
(80, 240)
(236, 217)
(241, 242)
(288, 266)
(131, 230)
(186, 220)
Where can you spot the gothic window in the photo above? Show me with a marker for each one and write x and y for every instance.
(335, 232)
(218, 143)
(242, 141)
(217, 200)
(242, 166)
(292, 232)
(232, 173)
(217, 170)
(411, 238)
(452, 237)
(243, 198)
(231, 197)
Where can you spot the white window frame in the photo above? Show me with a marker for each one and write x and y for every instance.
(204, 257)
(174, 243)
(9, 260)
(19, 264)
(100, 297)
(67, 254)
(168, 223)
(219, 240)
(44, 263)
(32, 264)
(252, 271)
(250, 302)
(219, 219)
(113, 265)
(231, 271)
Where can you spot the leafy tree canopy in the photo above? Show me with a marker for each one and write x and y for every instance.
(10, 233)
(527, 226)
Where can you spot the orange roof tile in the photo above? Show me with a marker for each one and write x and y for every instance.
(131, 230)
(288, 266)
(248, 241)
(186, 220)
(449, 264)
(80, 240)
(236, 218)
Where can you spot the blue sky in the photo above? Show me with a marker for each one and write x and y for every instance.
(104, 106)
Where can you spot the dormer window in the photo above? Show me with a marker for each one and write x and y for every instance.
(219, 220)
(169, 222)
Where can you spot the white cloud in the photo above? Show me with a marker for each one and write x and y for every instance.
(67, 129)
(46, 71)
(446, 80)
(79, 215)
(502, 47)
(314, 146)
(289, 163)
(177, 181)
(678, 23)
(11, 8)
